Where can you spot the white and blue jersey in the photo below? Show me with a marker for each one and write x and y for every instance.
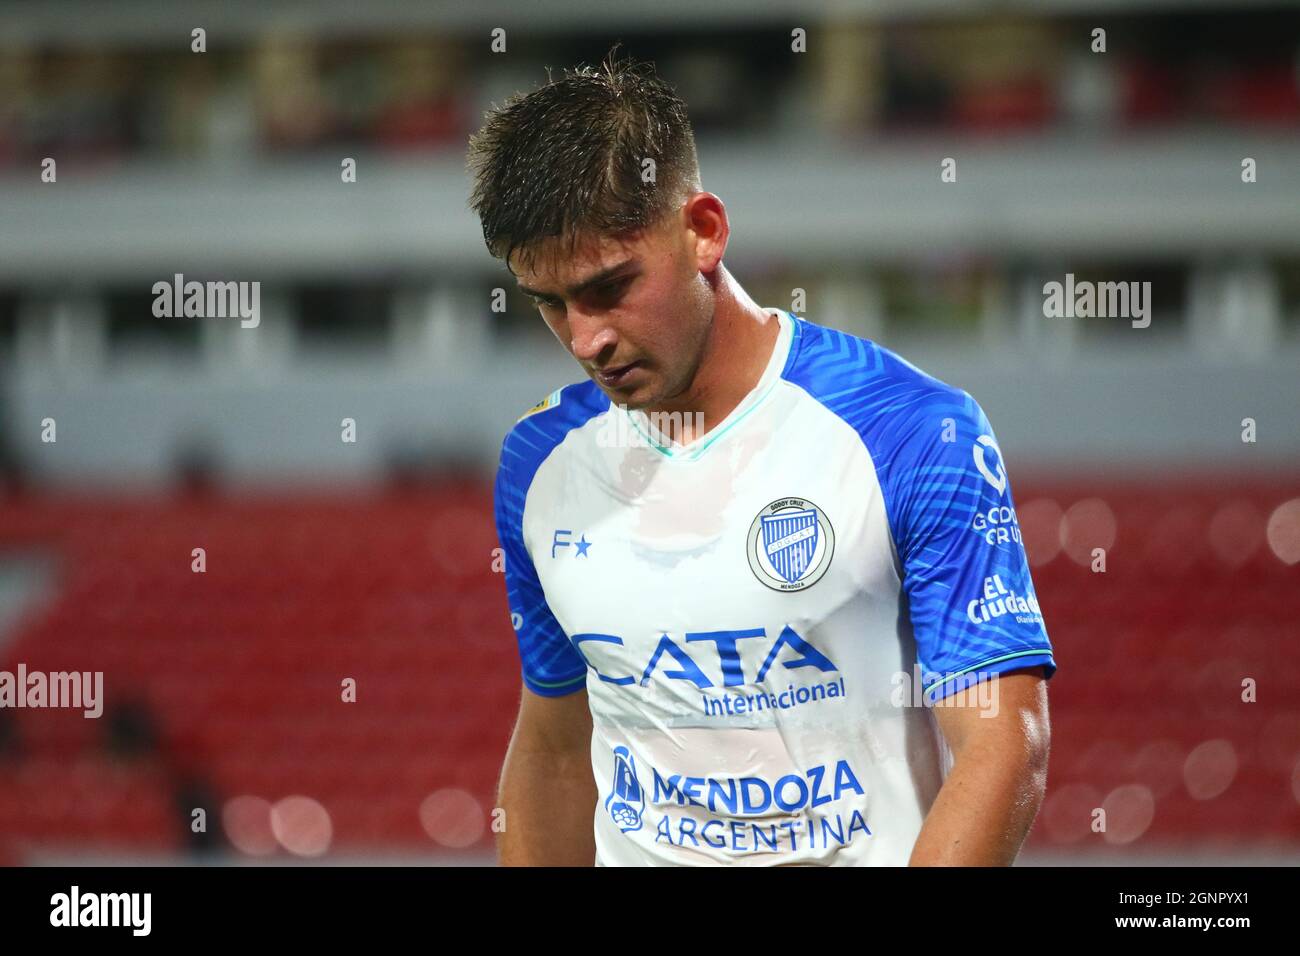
(757, 615)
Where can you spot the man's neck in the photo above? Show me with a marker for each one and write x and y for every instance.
(736, 353)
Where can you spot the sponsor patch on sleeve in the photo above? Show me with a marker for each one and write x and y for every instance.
(550, 401)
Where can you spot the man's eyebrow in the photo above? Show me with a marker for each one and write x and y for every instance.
(604, 275)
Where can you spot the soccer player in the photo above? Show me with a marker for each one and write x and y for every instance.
(747, 555)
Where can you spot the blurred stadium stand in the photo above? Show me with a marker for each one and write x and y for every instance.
(372, 559)
(239, 668)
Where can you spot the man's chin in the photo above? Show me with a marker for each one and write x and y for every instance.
(633, 399)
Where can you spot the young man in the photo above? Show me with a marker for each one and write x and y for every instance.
(746, 555)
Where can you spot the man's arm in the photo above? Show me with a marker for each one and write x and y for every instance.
(547, 789)
(992, 794)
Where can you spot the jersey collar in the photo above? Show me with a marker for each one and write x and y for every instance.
(756, 396)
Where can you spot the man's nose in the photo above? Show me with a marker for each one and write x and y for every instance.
(590, 336)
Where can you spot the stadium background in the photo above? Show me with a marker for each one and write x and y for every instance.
(372, 559)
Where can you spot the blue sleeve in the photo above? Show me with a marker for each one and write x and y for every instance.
(969, 591)
(551, 665)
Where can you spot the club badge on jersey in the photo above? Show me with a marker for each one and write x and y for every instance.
(790, 545)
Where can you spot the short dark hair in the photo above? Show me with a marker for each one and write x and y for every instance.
(566, 159)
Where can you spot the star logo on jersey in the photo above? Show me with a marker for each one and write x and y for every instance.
(563, 538)
(790, 544)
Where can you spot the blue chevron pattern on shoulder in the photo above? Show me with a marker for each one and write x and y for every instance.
(939, 468)
(888, 401)
(551, 665)
(537, 433)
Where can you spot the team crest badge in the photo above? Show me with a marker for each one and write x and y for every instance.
(790, 544)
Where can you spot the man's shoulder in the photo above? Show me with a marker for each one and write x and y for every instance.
(871, 387)
(541, 428)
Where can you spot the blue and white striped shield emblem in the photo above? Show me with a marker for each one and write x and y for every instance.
(790, 539)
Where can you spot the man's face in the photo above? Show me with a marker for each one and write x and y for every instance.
(634, 312)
